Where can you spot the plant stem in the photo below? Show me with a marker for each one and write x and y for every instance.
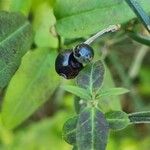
(111, 28)
(140, 117)
(139, 37)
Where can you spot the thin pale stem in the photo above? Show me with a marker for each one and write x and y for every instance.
(111, 28)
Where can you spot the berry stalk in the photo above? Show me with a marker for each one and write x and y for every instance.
(111, 28)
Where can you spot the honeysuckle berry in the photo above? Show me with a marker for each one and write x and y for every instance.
(66, 65)
(69, 63)
(83, 53)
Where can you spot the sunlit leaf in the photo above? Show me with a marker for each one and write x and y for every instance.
(43, 24)
(33, 84)
(22, 6)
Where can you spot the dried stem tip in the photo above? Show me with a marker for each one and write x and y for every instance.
(111, 28)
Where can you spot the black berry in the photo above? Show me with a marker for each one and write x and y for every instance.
(66, 65)
(83, 53)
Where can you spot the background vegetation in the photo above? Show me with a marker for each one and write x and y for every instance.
(33, 106)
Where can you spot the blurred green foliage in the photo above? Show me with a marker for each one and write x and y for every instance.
(36, 82)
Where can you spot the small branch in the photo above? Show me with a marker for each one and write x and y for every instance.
(111, 28)
(139, 38)
(139, 117)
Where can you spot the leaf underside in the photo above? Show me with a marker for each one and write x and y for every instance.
(69, 130)
(91, 77)
(92, 130)
(117, 120)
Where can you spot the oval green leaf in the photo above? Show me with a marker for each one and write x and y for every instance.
(16, 36)
(20, 6)
(33, 84)
(69, 130)
(117, 120)
(43, 25)
(87, 17)
(92, 130)
(80, 92)
(91, 77)
(112, 92)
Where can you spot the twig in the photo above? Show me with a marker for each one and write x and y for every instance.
(111, 28)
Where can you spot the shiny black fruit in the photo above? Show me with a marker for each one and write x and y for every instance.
(66, 65)
(83, 53)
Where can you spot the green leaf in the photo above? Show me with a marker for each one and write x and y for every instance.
(4, 5)
(88, 17)
(80, 92)
(91, 77)
(92, 130)
(112, 92)
(33, 84)
(16, 37)
(112, 102)
(37, 3)
(21, 6)
(117, 120)
(140, 117)
(78, 105)
(44, 134)
(69, 130)
(43, 25)
(75, 148)
(141, 14)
